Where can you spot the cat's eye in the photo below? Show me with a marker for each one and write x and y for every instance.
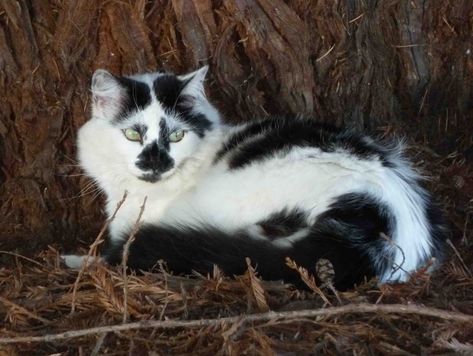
(132, 134)
(176, 136)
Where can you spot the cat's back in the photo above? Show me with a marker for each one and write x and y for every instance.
(275, 138)
(275, 164)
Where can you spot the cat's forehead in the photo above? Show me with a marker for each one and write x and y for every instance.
(149, 97)
(146, 99)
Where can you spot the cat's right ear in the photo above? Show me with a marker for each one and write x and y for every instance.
(107, 94)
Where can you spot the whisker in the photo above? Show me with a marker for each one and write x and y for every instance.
(72, 175)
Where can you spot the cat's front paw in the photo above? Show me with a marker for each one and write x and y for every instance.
(77, 261)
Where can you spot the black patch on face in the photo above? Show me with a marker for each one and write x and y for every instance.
(283, 224)
(137, 96)
(168, 90)
(244, 148)
(199, 123)
(156, 159)
(164, 134)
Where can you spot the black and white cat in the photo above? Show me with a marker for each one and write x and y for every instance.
(266, 190)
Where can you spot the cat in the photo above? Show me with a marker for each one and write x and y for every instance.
(267, 190)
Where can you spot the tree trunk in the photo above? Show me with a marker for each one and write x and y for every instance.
(366, 64)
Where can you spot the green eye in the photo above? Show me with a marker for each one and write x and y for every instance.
(132, 134)
(176, 136)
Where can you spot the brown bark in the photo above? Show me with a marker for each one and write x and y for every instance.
(361, 63)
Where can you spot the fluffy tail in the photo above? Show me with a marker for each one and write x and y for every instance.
(187, 249)
(419, 230)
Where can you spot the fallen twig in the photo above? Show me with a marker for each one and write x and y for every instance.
(126, 251)
(300, 314)
(22, 257)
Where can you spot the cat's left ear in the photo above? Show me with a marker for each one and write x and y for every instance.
(194, 82)
(107, 94)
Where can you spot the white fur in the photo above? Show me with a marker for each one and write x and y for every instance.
(76, 261)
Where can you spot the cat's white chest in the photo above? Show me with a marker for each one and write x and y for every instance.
(143, 203)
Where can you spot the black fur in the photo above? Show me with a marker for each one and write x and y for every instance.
(137, 98)
(283, 223)
(351, 235)
(185, 249)
(439, 228)
(155, 158)
(249, 145)
(348, 234)
(168, 89)
(251, 130)
(199, 122)
(164, 134)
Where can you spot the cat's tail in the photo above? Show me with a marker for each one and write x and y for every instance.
(184, 249)
(419, 229)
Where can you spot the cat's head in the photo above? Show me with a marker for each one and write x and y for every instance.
(146, 124)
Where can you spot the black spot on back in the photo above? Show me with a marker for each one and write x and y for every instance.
(265, 139)
(137, 96)
(251, 130)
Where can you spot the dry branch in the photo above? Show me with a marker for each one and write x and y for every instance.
(286, 316)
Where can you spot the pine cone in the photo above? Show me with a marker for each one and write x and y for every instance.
(325, 271)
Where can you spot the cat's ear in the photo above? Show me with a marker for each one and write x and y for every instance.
(107, 94)
(194, 82)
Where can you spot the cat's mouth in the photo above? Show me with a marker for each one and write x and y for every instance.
(150, 177)
(156, 177)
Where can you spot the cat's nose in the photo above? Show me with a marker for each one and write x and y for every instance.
(154, 158)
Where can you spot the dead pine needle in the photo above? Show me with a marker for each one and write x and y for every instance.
(256, 288)
(93, 251)
(307, 279)
(126, 252)
(467, 270)
(22, 310)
